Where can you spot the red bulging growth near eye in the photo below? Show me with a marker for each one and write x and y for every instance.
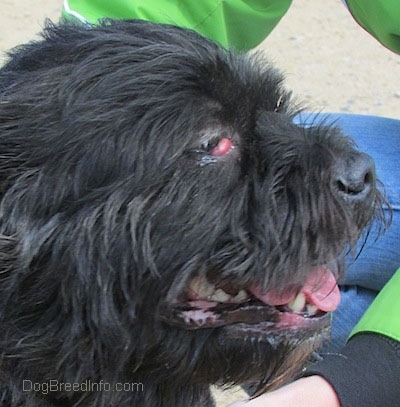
(222, 148)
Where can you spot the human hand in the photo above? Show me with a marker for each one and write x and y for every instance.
(312, 391)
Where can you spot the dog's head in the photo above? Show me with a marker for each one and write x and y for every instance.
(161, 215)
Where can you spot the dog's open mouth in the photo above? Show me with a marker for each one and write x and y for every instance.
(207, 304)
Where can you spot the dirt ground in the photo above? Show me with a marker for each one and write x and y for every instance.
(331, 63)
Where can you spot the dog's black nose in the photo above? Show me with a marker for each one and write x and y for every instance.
(355, 176)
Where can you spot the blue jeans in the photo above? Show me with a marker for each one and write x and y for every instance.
(380, 138)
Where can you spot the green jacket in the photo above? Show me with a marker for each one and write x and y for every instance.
(383, 316)
(239, 24)
(381, 18)
(242, 24)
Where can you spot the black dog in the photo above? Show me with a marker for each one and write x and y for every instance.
(164, 225)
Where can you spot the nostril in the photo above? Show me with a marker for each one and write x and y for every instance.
(369, 178)
(354, 187)
(356, 175)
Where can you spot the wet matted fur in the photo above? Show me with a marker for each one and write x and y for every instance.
(156, 203)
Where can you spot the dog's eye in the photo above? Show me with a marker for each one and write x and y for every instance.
(219, 147)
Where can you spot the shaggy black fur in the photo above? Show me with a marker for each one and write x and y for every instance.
(135, 158)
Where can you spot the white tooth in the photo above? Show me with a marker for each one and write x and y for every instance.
(311, 309)
(219, 296)
(201, 287)
(297, 305)
(240, 296)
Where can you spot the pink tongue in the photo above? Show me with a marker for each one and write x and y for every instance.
(320, 290)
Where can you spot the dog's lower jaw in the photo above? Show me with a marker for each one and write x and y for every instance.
(229, 355)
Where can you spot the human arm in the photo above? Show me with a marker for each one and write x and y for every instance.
(313, 391)
(366, 373)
